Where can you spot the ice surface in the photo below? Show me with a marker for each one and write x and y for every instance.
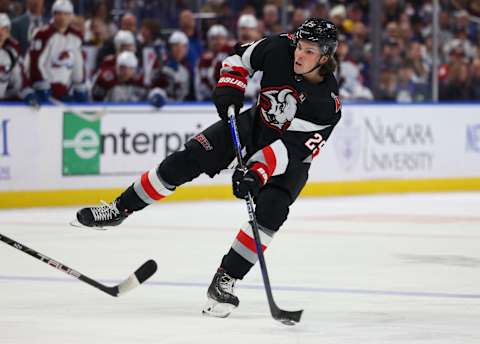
(383, 269)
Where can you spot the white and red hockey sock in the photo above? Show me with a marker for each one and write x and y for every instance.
(151, 188)
(244, 243)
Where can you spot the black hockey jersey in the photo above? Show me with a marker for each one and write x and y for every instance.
(293, 117)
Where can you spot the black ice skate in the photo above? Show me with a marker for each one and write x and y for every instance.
(105, 215)
(221, 299)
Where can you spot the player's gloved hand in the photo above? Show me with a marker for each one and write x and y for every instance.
(230, 90)
(157, 98)
(244, 183)
(31, 100)
(43, 96)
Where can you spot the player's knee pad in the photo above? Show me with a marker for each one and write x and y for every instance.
(179, 168)
(272, 207)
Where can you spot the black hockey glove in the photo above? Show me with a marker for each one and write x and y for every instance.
(244, 183)
(230, 90)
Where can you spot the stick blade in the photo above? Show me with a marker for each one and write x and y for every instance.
(138, 277)
(289, 318)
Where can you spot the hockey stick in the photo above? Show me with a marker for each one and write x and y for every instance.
(88, 115)
(141, 274)
(95, 115)
(285, 317)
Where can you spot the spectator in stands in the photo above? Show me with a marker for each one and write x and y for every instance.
(408, 89)
(338, 14)
(248, 9)
(457, 84)
(24, 26)
(188, 27)
(391, 55)
(124, 84)
(392, 9)
(153, 51)
(355, 14)
(462, 24)
(460, 40)
(299, 15)
(208, 68)
(14, 84)
(99, 26)
(417, 58)
(475, 82)
(127, 23)
(56, 59)
(392, 32)
(174, 77)
(247, 29)
(358, 45)
(247, 32)
(405, 33)
(320, 9)
(352, 87)
(388, 85)
(350, 78)
(271, 20)
(78, 24)
(456, 56)
(472, 7)
(221, 10)
(97, 32)
(445, 30)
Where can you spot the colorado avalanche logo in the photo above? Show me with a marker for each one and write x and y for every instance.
(64, 59)
(278, 106)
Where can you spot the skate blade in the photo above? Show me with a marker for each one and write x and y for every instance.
(77, 224)
(217, 309)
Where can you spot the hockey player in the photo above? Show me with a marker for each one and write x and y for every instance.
(248, 31)
(208, 68)
(56, 60)
(123, 41)
(14, 84)
(124, 84)
(174, 76)
(297, 110)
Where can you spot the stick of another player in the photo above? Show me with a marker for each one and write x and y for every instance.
(141, 274)
(285, 317)
(88, 115)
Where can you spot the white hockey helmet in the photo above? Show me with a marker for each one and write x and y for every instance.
(217, 30)
(127, 59)
(64, 6)
(123, 37)
(247, 21)
(4, 20)
(178, 37)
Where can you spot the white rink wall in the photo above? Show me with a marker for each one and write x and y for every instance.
(62, 151)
